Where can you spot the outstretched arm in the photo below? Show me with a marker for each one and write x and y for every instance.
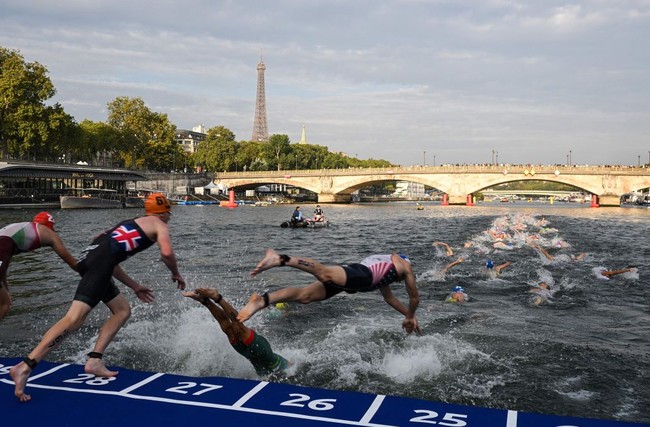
(409, 323)
(609, 273)
(543, 251)
(448, 249)
(223, 312)
(448, 266)
(52, 239)
(143, 293)
(167, 255)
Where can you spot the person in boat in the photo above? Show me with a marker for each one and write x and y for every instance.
(98, 263)
(296, 216)
(319, 216)
(26, 237)
(243, 339)
(457, 295)
(374, 272)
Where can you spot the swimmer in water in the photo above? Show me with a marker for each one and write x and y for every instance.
(448, 250)
(457, 295)
(541, 294)
(495, 270)
(604, 274)
(451, 264)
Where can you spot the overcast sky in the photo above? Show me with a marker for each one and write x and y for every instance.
(401, 80)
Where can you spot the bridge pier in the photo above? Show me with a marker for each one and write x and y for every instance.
(334, 198)
(457, 199)
(609, 200)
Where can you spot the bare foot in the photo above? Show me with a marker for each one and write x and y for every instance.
(255, 304)
(195, 297)
(96, 367)
(272, 259)
(210, 293)
(20, 374)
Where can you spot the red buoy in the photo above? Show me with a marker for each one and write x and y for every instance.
(231, 202)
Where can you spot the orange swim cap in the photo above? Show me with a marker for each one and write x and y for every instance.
(45, 219)
(157, 203)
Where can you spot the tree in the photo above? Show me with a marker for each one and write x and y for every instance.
(250, 155)
(218, 151)
(23, 120)
(98, 144)
(309, 156)
(62, 134)
(146, 137)
(275, 149)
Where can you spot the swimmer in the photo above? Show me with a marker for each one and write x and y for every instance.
(376, 272)
(448, 250)
(244, 340)
(542, 293)
(604, 274)
(457, 295)
(26, 237)
(453, 263)
(99, 263)
(495, 270)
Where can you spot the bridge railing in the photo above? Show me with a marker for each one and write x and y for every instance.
(530, 169)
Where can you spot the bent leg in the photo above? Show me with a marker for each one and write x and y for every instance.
(73, 319)
(120, 313)
(324, 273)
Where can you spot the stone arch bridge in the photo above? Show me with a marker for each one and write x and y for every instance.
(459, 183)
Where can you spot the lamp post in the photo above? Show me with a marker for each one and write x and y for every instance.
(497, 157)
(173, 170)
(425, 158)
(570, 161)
(492, 157)
(639, 163)
(434, 158)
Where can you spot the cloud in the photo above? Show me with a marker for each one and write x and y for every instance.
(388, 79)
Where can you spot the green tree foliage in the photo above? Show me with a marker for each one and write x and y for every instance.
(98, 144)
(29, 129)
(307, 156)
(61, 134)
(218, 151)
(277, 152)
(146, 137)
(250, 156)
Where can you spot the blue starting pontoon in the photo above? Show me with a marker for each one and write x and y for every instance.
(63, 395)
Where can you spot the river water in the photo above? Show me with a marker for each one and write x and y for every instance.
(584, 352)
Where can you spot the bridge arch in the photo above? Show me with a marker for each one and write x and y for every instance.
(458, 182)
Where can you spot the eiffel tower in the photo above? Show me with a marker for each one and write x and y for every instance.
(260, 130)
